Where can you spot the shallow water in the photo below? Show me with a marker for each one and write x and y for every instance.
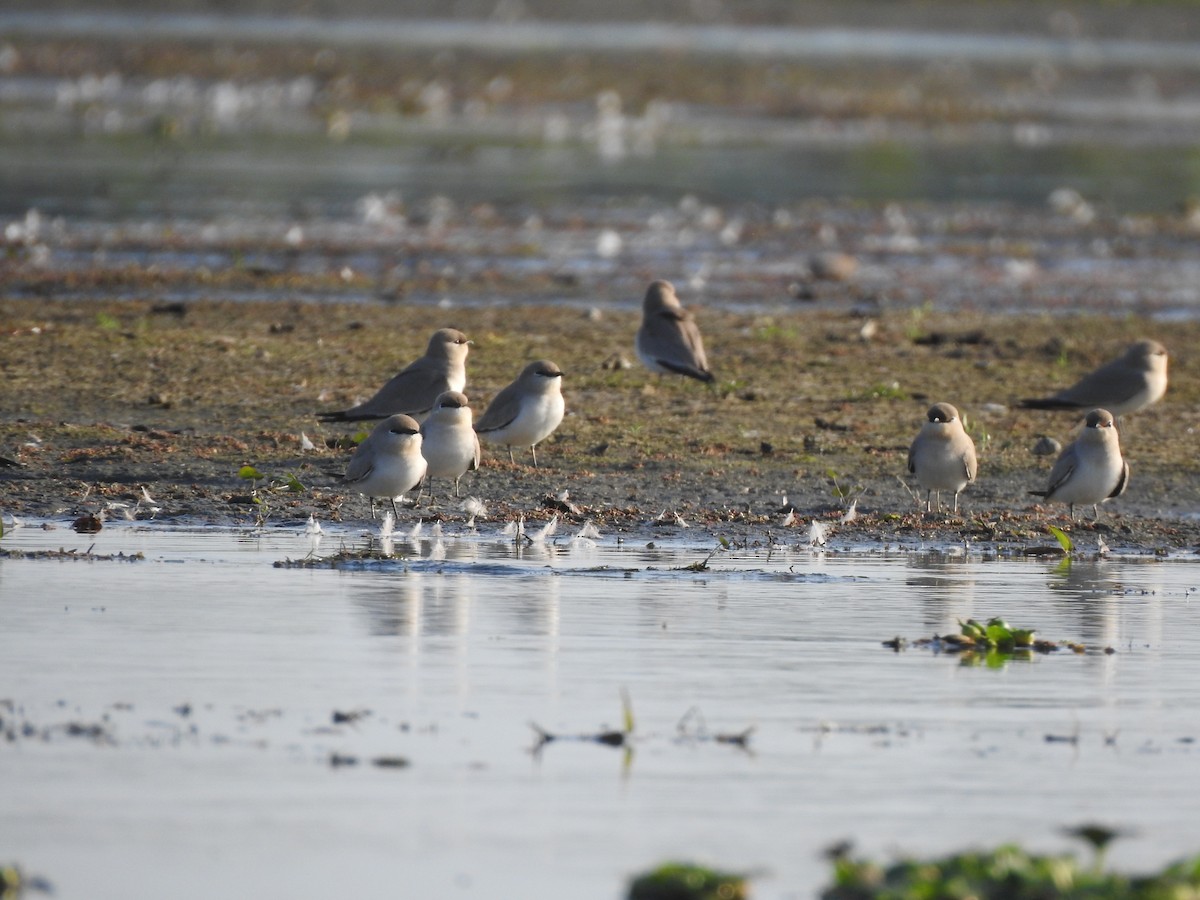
(457, 647)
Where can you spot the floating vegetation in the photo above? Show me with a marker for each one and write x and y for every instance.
(608, 737)
(685, 881)
(1007, 872)
(15, 882)
(992, 644)
(63, 554)
(692, 727)
(344, 760)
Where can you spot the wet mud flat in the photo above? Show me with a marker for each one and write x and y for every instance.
(106, 398)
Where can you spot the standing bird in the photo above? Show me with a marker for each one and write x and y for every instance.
(1091, 469)
(943, 455)
(1132, 381)
(388, 463)
(449, 443)
(527, 411)
(416, 387)
(669, 340)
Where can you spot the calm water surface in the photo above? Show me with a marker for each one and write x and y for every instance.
(455, 652)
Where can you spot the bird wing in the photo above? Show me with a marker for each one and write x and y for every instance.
(1064, 468)
(412, 390)
(361, 465)
(501, 412)
(912, 458)
(1111, 384)
(970, 464)
(478, 454)
(1122, 481)
(675, 343)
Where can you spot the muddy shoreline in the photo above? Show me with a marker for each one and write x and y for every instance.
(107, 398)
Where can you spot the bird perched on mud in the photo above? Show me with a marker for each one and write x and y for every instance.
(1132, 381)
(527, 411)
(448, 440)
(415, 388)
(943, 455)
(388, 463)
(1091, 469)
(668, 340)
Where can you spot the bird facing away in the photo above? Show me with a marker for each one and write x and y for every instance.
(527, 411)
(1091, 468)
(448, 442)
(669, 340)
(416, 387)
(1132, 381)
(943, 455)
(388, 463)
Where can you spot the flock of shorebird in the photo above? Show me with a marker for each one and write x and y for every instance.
(428, 430)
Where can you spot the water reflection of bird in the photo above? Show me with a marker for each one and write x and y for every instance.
(943, 455)
(449, 442)
(416, 387)
(388, 463)
(945, 586)
(669, 340)
(1129, 383)
(1091, 469)
(527, 411)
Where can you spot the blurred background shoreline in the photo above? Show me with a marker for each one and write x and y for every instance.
(720, 144)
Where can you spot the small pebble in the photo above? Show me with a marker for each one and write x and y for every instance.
(1046, 446)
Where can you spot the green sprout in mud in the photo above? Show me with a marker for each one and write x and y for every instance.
(845, 495)
(273, 483)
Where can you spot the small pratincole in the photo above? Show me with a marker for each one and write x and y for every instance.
(669, 340)
(415, 388)
(388, 463)
(943, 455)
(527, 411)
(449, 442)
(1129, 383)
(1090, 469)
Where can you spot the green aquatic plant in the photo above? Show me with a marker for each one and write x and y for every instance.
(686, 881)
(993, 643)
(1005, 873)
(1064, 539)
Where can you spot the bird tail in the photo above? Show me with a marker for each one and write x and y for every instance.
(349, 415)
(1047, 403)
(690, 371)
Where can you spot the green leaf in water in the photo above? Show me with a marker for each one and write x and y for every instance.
(1064, 539)
(626, 711)
(250, 473)
(724, 542)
